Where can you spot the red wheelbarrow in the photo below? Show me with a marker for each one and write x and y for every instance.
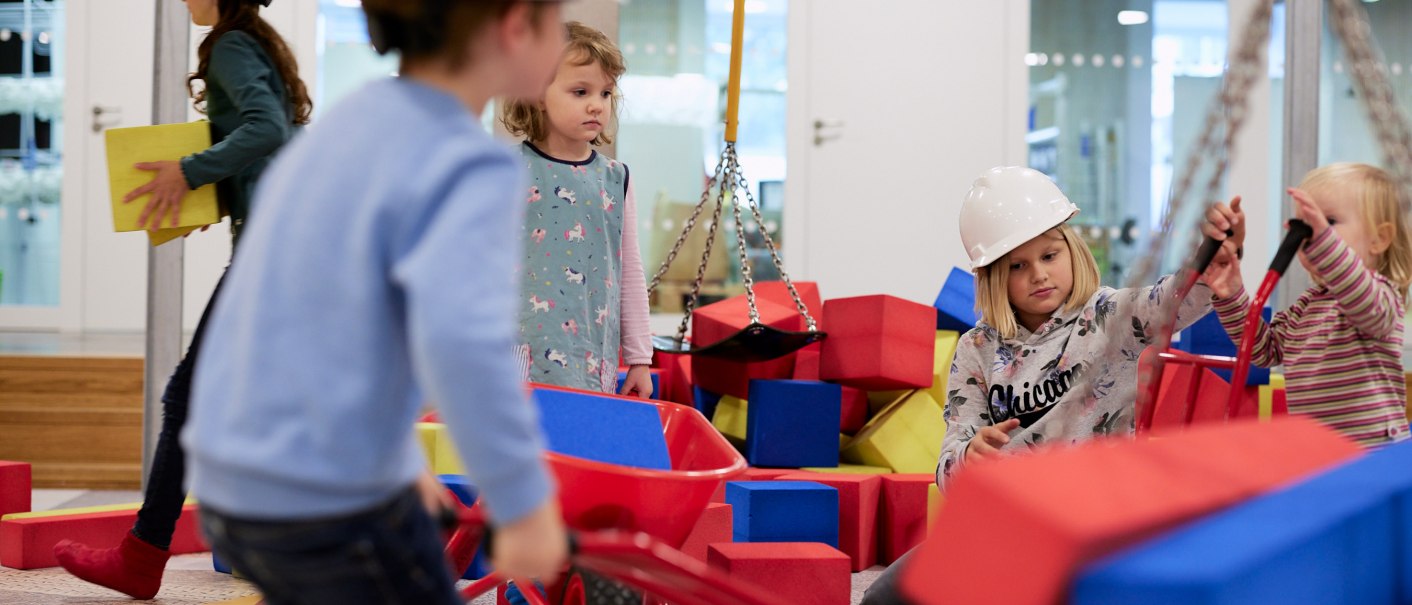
(627, 523)
(1179, 388)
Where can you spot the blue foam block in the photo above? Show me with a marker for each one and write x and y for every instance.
(783, 511)
(793, 423)
(467, 493)
(218, 564)
(606, 429)
(1207, 337)
(656, 383)
(956, 303)
(1336, 538)
(461, 486)
(705, 402)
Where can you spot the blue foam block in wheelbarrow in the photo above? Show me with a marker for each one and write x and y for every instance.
(467, 493)
(956, 303)
(783, 511)
(1339, 537)
(1207, 337)
(606, 429)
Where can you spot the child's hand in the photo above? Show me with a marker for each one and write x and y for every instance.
(435, 497)
(1223, 274)
(639, 380)
(988, 441)
(1221, 218)
(1306, 210)
(535, 546)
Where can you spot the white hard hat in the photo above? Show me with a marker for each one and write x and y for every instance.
(1006, 207)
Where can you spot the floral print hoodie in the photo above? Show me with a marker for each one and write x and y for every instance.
(1067, 382)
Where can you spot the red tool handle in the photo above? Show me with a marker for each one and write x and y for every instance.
(1298, 232)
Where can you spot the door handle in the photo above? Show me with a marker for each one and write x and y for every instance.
(822, 128)
(99, 111)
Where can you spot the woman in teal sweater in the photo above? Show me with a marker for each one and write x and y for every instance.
(255, 101)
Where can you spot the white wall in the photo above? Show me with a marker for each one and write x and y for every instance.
(929, 95)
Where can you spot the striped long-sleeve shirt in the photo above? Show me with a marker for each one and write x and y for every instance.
(1340, 344)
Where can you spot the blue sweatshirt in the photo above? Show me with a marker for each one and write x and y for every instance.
(379, 275)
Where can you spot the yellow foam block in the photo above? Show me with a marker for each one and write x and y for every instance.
(1266, 405)
(941, 366)
(849, 469)
(879, 400)
(129, 146)
(934, 503)
(441, 453)
(905, 437)
(730, 419)
(106, 508)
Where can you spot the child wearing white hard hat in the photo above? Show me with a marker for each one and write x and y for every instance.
(1054, 356)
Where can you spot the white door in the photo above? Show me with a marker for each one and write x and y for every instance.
(113, 75)
(911, 103)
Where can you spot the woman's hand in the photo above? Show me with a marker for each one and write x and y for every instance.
(167, 187)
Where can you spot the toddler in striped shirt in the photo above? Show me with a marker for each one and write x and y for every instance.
(1341, 342)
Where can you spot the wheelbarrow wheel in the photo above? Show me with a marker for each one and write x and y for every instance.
(598, 590)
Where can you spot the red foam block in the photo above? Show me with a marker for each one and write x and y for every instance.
(29, 543)
(857, 513)
(1072, 506)
(800, 573)
(719, 320)
(855, 410)
(714, 527)
(15, 487)
(727, 377)
(776, 292)
(902, 514)
(806, 362)
(878, 343)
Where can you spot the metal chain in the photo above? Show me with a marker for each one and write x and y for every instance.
(705, 252)
(1350, 23)
(775, 254)
(746, 272)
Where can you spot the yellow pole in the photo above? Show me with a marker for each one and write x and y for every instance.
(733, 85)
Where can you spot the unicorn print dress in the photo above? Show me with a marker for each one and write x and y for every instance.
(570, 322)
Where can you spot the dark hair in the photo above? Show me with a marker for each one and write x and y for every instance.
(427, 29)
(244, 15)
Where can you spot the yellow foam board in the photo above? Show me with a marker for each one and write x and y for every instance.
(880, 400)
(106, 508)
(253, 599)
(127, 147)
(934, 504)
(441, 453)
(730, 419)
(941, 366)
(906, 437)
(849, 469)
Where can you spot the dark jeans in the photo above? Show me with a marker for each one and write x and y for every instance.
(885, 589)
(389, 555)
(161, 504)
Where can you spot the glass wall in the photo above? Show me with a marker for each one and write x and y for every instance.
(1345, 134)
(31, 150)
(346, 59)
(671, 129)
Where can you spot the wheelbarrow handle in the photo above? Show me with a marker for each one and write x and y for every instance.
(1207, 252)
(1298, 232)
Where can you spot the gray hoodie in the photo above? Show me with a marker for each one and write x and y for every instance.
(1067, 382)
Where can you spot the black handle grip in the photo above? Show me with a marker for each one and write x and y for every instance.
(1207, 252)
(1298, 232)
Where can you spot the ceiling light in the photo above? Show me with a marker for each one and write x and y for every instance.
(1132, 17)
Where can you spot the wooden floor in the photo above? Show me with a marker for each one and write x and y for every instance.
(76, 419)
